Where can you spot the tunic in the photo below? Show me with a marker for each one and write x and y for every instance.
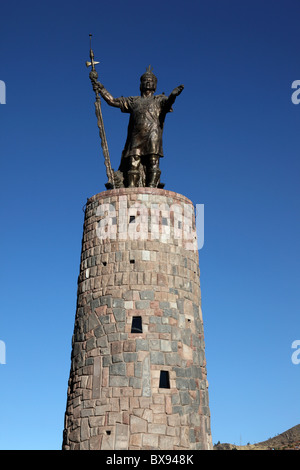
(145, 128)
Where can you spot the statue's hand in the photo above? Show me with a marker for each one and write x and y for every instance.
(93, 75)
(96, 85)
(177, 90)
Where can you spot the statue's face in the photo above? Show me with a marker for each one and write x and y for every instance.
(148, 83)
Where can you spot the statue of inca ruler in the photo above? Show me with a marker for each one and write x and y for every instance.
(143, 148)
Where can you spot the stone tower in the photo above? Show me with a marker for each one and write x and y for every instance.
(138, 370)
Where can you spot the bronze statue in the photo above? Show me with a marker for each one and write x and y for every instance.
(143, 148)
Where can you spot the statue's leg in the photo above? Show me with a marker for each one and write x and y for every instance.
(134, 171)
(153, 171)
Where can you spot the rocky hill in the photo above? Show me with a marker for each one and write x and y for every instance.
(288, 440)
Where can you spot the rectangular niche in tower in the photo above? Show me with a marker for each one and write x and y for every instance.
(136, 326)
(164, 380)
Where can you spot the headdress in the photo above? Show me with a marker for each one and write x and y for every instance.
(149, 74)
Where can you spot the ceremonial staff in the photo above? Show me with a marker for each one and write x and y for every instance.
(109, 171)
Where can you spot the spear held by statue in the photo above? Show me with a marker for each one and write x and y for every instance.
(94, 75)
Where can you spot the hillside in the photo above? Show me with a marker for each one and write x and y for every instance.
(288, 440)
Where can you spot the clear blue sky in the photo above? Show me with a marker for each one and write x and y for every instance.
(231, 144)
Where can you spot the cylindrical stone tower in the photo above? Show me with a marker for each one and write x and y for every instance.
(138, 370)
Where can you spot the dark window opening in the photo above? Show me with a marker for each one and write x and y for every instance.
(136, 326)
(164, 381)
(132, 261)
(131, 218)
(108, 433)
(104, 263)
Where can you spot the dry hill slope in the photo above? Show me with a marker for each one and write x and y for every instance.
(288, 440)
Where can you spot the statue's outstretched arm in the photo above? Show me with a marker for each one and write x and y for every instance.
(173, 95)
(98, 87)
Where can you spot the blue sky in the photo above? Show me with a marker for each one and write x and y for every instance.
(231, 144)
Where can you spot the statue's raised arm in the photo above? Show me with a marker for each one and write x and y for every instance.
(173, 95)
(97, 86)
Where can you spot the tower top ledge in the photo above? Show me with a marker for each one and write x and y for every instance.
(139, 191)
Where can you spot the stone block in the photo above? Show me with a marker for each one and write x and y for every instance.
(91, 343)
(147, 295)
(119, 303)
(102, 409)
(108, 441)
(164, 328)
(118, 381)
(174, 420)
(106, 361)
(165, 442)
(160, 418)
(145, 402)
(118, 369)
(150, 441)
(75, 435)
(106, 300)
(154, 344)
(113, 418)
(138, 369)
(116, 347)
(124, 403)
(182, 384)
(102, 342)
(129, 346)
(114, 358)
(130, 357)
(172, 359)
(99, 331)
(157, 428)
(142, 304)
(128, 304)
(130, 369)
(127, 295)
(109, 328)
(95, 443)
(119, 314)
(157, 357)
(146, 378)
(84, 429)
(146, 255)
(96, 390)
(136, 440)
(142, 345)
(134, 382)
(166, 346)
(94, 304)
(93, 322)
(137, 425)
(121, 437)
(96, 421)
(158, 408)
(185, 398)
(148, 415)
